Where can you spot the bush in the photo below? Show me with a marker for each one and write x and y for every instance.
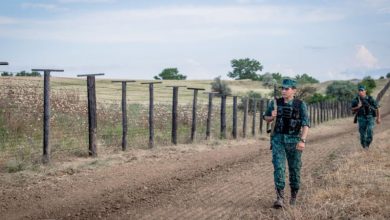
(221, 87)
(369, 83)
(341, 90)
(251, 95)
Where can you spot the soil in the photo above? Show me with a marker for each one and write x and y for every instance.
(215, 180)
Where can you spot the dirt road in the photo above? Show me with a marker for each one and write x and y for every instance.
(218, 180)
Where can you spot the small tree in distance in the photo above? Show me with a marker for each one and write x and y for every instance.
(245, 69)
(170, 74)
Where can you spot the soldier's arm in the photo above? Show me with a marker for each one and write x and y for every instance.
(378, 116)
(356, 105)
(270, 114)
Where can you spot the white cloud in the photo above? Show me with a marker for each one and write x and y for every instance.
(365, 58)
(85, 1)
(164, 24)
(48, 7)
(7, 20)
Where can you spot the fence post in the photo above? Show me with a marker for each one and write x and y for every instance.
(194, 103)
(261, 116)
(92, 120)
(234, 131)
(254, 118)
(318, 113)
(46, 112)
(124, 112)
(151, 113)
(245, 116)
(209, 114)
(175, 98)
(223, 117)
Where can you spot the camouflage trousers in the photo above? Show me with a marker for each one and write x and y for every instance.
(366, 129)
(281, 152)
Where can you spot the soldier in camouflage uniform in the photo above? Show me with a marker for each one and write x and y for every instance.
(367, 109)
(288, 139)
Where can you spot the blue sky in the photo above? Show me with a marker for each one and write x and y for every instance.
(137, 39)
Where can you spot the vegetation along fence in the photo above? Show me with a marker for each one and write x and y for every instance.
(81, 118)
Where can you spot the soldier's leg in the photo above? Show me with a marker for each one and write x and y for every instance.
(362, 130)
(279, 162)
(370, 131)
(294, 166)
(294, 171)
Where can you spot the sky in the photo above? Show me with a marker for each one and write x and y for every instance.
(329, 40)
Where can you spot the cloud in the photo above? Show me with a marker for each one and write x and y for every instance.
(365, 58)
(7, 20)
(48, 7)
(167, 24)
(85, 1)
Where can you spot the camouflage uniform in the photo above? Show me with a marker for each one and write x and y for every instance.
(284, 147)
(366, 118)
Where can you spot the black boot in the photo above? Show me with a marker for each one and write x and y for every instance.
(279, 203)
(293, 199)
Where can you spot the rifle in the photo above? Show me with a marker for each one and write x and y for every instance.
(273, 123)
(356, 111)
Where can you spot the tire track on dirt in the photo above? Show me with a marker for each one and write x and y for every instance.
(313, 158)
(233, 182)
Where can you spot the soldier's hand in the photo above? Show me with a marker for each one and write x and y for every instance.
(273, 114)
(300, 146)
(378, 121)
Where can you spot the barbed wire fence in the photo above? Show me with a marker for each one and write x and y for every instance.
(22, 116)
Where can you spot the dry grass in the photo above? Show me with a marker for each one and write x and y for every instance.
(358, 188)
(354, 185)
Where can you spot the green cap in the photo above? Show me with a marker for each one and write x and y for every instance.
(361, 87)
(289, 83)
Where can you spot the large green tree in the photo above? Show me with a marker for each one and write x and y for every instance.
(170, 74)
(245, 69)
(388, 75)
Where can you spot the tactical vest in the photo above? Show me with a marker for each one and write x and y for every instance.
(367, 107)
(288, 119)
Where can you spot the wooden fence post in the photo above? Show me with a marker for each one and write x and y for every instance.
(151, 112)
(194, 103)
(245, 116)
(254, 104)
(318, 113)
(223, 117)
(124, 112)
(209, 114)
(234, 131)
(46, 112)
(261, 115)
(175, 98)
(92, 120)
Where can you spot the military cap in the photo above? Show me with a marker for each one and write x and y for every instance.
(361, 87)
(289, 83)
